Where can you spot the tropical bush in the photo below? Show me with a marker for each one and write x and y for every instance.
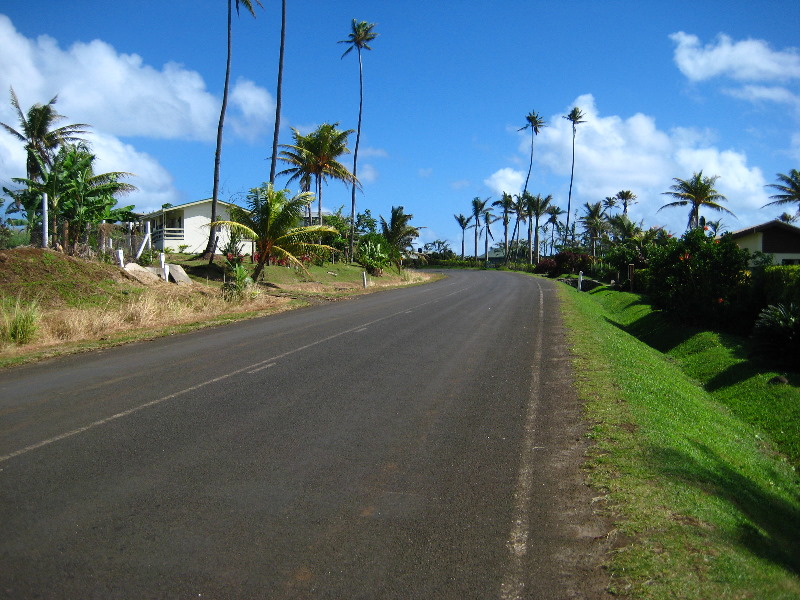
(699, 279)
(571, 262)
(239, 286)
(374, 253)
(776, 333)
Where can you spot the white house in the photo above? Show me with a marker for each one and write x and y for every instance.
(188, 225)
(774, 237)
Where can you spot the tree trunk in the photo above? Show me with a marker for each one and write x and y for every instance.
(355, 152)
(218, 153)
(279, 94)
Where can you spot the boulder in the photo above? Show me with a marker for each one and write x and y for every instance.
(141, 274)
(178, 275)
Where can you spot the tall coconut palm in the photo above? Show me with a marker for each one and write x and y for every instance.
(278, 97)
(789, 189)
(626, 198)
(488, 219)
(41, 138)
(554, 212)
(575, 117)
(272, 219)
(518, 207)
(594, 223)
(506, 203)
(697, 191)
(533, 122)
(317, 154)
(248, 4)
(361, 34)
(478, 207)
(536, 207)
(463, 222)
(609, 202)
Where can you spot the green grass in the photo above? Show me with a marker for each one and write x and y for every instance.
(719, 363)
(704, 506)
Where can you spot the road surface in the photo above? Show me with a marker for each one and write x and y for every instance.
(417, 443)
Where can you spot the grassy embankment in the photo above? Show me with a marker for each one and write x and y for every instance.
(696, 454)
(82, 305)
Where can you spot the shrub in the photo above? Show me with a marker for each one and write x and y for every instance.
(776, 333)
(571, 262)
(240, 284)
(699, 279)
(374, 253)
(546, 266)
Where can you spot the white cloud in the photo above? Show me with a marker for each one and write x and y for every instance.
(613, 153)
(256, 109)
(505, 180)
(372, 153)
(119, 95)
(747, 60)
(761, 93)
(367, 173)
(425, 172)
(460, 184)
(153, 181)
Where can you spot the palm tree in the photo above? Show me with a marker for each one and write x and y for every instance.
(536, 206)
(463, 222)
(622, 228)
(518, 208)
(789, 189)
(488, 219)
(272, 219)
(42, 140)
(575, 117)
(478, 206)
(609, 202)
(398, 233)
(507, 204)
(626, 198)
(248, 4)
(554, 212)
(534, 122)
(697, 191)
(594, 222)
(316, 154)
(361, 35)
(278, 96)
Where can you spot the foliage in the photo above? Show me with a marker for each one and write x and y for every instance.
(374, 253)
(239, 286)
(571, 262)
(399, 234)
(698, 279)
(546, 266)
(272, 219)
(19, 321)
(781, 284)
(776, 333)
(232, 250)
(696, 192)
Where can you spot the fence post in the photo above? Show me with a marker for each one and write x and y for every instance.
(45, 232)
(364, 275)
(580, 280)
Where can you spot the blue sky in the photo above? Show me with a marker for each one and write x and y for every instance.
(668, 88)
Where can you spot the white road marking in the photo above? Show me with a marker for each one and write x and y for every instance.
(262, 368)
(513, 585)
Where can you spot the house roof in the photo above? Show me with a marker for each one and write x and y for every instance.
(774, 224)
(185, 205)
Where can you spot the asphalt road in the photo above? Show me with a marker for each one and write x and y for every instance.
(418, 443)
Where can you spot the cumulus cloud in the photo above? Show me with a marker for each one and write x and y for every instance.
(505, 180)
(613, 153)
(747, 60)
(120, 95)
(367, 173)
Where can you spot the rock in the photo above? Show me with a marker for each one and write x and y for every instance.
(142, 275)
(778, 380)
(178, 275)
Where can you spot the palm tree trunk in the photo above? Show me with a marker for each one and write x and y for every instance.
(218, 153)
(355, 151)
(571, 176)
(279, 94)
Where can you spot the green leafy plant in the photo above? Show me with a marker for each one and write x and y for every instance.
(19, 322)
(776, 333)
(239, 286)
(373, 253)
